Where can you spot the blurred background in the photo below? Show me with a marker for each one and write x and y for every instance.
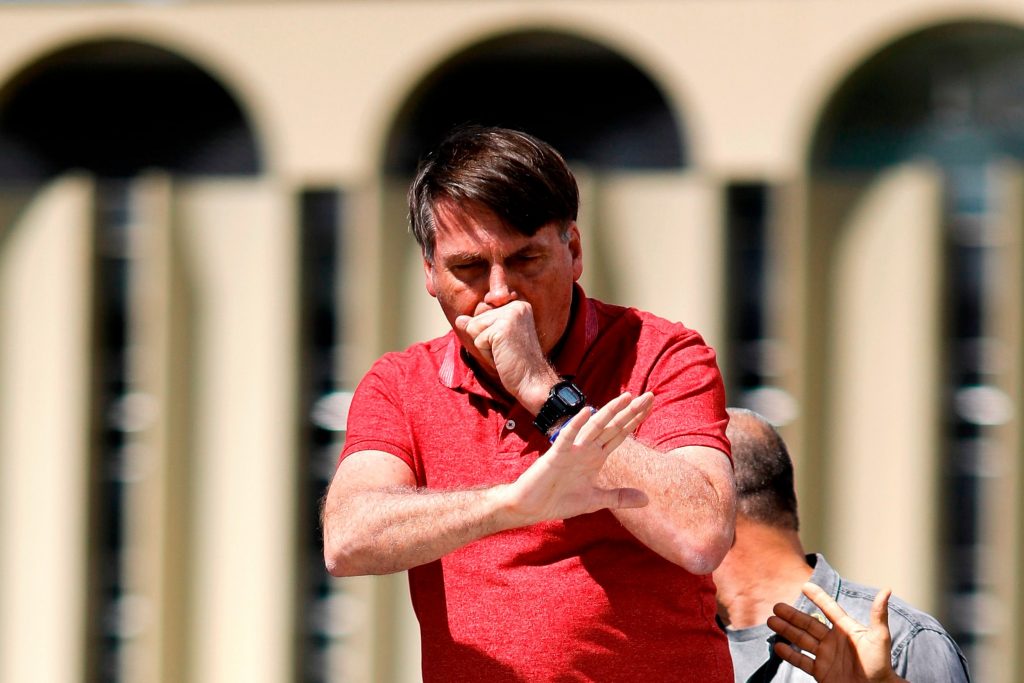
(203, 246)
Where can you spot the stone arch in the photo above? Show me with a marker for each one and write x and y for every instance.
(945, 93)
(116, 106)
(588, 100)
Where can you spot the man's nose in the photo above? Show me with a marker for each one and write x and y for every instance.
(499, 291)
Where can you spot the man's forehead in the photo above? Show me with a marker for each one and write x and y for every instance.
(478, 225)
(450, 215)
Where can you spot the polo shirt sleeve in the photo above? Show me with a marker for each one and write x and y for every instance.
(689, 397)
(376, 416)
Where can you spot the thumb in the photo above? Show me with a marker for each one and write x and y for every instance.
(462, 322)
(880, 609)
(626, 498)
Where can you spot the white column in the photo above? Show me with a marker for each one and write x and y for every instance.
(882, 454)
(45, 365)
(655, 241)
(238, 244)
(1002, 648)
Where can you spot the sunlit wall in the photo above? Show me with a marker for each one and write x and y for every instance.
(203, 247)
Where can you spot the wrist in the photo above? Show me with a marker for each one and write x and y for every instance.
(508, 513)
(564, 401)
(554, 431)
(535, 392)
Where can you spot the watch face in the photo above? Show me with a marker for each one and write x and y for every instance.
(569, 395)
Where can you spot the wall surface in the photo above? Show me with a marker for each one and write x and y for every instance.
(217, 521)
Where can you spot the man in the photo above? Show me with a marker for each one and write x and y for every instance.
(846, 652)
(541, 542)
(767, 566)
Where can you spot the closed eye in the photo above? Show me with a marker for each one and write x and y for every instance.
(468, 269)
(526, 261)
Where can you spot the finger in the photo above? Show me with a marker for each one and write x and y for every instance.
(472, 325)
(638, 411)
(614, 442)
(628, 498)
(801, 620)
(880, 609)
(475, 325)
(610, 410)
(617, 438)
(626, 417)
(604, 417)
(632, 411)
(794, 657)
(645, 402)
(830, 608)
(483, 344)
(567, 434)
(798, 635)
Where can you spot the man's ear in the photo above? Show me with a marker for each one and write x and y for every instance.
(575, 250)
(428, 277)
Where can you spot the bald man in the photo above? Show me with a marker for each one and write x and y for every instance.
(767, 570)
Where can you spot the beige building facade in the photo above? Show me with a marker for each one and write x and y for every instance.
(202, 249)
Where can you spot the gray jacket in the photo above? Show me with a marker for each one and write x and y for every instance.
(922, 651)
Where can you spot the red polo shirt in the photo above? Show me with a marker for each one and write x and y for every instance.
(571, 600)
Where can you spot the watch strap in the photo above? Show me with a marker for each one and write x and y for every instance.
(557, 409)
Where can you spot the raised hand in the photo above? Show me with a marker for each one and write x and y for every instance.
(846, 653)
(562, 482)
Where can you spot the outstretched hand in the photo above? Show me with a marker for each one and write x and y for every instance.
(846, 653)
(562, 482)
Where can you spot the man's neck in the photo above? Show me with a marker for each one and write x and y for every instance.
(765, 566)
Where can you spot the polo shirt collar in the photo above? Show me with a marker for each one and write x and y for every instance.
(456, 373)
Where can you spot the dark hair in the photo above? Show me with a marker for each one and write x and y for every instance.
(764, 471)
(524, 181)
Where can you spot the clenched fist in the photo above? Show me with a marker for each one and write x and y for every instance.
(506, 339)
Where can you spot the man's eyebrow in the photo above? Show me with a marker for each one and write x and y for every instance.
(525, 249)
(458, 257)
(462, 257)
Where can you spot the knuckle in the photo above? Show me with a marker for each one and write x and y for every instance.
(519, 307)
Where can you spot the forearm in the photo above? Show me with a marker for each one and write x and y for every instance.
(376, 522)
(390, 530)
(690, 519)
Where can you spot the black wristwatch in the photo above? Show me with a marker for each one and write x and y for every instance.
(564, 401)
